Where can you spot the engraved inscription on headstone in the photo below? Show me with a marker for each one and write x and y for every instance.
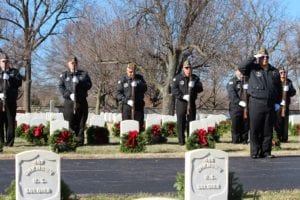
(37, 175)
(206, 174)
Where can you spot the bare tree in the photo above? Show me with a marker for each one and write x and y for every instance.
(32, 22)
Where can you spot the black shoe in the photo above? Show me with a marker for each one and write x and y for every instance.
(270, 156)
(254, 157)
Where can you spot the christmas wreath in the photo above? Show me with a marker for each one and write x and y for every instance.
(63, 141)
(275, 142)
(223, 127)
(153, 135)
(200, 138)
(116, 129)
(169, 129)
(294, 129)
(132, 142)
(21, 130)
(97, 135)
(37, 135)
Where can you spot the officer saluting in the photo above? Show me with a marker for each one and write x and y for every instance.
(185, 88)
(10, 81)
(131, 90)
(73, 86)
(264, 98)
(239, 127)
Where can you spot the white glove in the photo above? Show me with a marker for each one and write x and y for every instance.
(75, 79)
(5, 76)
(282, 103)
(286, 88)
(276, 107)
(1, 95)
(130, 102)
(186, 97)
(258, 55)
(242, 104)
(245, 86)
(72, 96)
(191, 84)
(133, 84)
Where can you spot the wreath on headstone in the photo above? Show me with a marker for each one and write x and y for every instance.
(37, 135)
(63, 141)
(21, 130)
(201, 138)
(153, 135)
(97, 135)
(169, 129)
(116, 129)
(132, 142)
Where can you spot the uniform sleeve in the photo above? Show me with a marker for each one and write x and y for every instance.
(198, 86)
(16, 79)
(233, 96)
(85, 83)
(62, 87)
(175, 88)
(141, 85)
(292, 90)
(120, 92)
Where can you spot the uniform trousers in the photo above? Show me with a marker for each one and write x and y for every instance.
(76, 121)
(7, 123)
(261, 114)
(239, 126)
(282, 125)
(138, 115)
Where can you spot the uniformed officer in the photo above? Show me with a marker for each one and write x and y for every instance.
(74, 85)
(185, 88)
(264, 98)
(282, 119)
(240, 125)
(131, 90)
(10, 81)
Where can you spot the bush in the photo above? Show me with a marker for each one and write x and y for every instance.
(97, 135)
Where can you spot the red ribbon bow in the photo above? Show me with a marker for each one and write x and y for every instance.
(156, 130)
(37, 131)
(202, 134)
(132, 135)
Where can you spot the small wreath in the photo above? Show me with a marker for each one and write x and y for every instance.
(133, 142)
(200, 138)
(116, 129)
(37, 135)
(63, 141)
(97, 135)
(169, 129)
(21, 130)
(153, 135)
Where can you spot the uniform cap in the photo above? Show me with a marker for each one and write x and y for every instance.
(263, 51)
(131, 66)
(72, 58)
(186, 63)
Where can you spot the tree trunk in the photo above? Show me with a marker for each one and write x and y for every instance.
(98, 102)
(27, 84)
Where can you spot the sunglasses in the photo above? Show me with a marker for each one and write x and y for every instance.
(281, 72)
(263, 57)
(187, 68)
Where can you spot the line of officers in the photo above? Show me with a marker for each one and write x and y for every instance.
(264, 91)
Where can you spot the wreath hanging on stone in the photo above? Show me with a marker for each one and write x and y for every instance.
(63, 141)
(200, 138)
(37, 135)
(153, 135)
(132, 142)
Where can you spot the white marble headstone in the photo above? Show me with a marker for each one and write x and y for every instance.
(206, 174)
(37, 175)
(37, 121)
(128, 125)
(58, 125)
(198, 124)
(97, 120)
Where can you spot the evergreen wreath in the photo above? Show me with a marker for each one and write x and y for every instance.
(214, 132)
(294, 129)
(21, 130)
(153, 135)
(169, 129)
(97, 135)
(133, 142)
(37, 135)
(200, 138)
(116, 129)
(63, 141)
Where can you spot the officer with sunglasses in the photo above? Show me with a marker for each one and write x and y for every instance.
(264, 90)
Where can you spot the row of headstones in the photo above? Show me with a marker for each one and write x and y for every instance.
(38, 175)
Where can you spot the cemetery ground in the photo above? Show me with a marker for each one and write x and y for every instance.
(169, 150)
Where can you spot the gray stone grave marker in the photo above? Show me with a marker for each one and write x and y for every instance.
(37, 175)
(206, 174)
(58, 125)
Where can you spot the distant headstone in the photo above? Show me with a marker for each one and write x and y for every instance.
(97, 120)
(58, 125)
(128, 125)
(168, 118)
(152, 121)
(37, 121)
(206, 174)
(52, 105)
(38, 175)
(23, 118)
(198, 124)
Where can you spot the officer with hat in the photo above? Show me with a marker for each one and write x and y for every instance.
(185, 88)
(10, 81)
(73, 85)
(131, 90)
(264, 90)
